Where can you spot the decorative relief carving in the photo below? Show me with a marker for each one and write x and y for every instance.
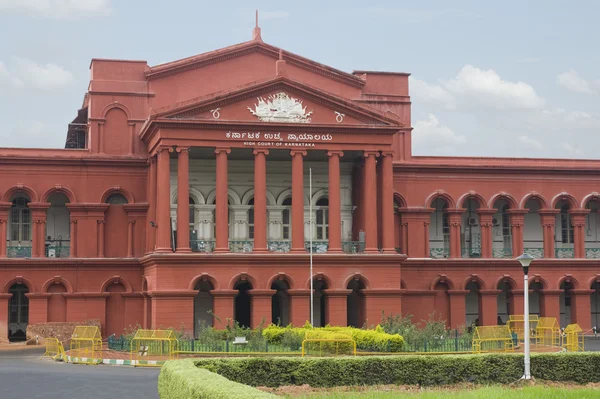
(339, 117)
(215, 113)
(280, 108)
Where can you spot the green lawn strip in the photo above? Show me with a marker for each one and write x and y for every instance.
(405, 370)
(493, 392)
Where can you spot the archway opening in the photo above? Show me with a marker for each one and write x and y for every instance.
(115, 310)
(439, 230)
(280, 303)
(595, 305)
(533, 235)
(355, 303)
(18, 313)
(471, 230)
(501, 230)
(58, 225)
(473, 304)
(505, 302)
(320, 302)
(535, 298)
(564, 233)
(148, 304)
(565, 303)
(57, 303)
(242, 303)
(441, 302)
(203, 306)
(19, 228)
(592, 228)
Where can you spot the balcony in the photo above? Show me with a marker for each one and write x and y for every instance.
(279, 246)
(471, 252)
(502, 253)
(282, 246)
(565, 253)
(205, 246)
(19, 251)
(439, 253)
(58, 250)
(318, 247)
(241, 246)
(537, 253)
(592, 253)
(353, 247)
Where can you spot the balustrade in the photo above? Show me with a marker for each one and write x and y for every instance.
(202, 245)
(471, 252)
(592, 253)
(537, 253)
(18, 251)
(353, 247)
(565, 253)
(439, 253)
(502, 253)
(61, 250)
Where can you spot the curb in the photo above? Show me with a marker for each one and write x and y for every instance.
(115, 362)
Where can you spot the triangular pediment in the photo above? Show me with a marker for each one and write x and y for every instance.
(278, 100)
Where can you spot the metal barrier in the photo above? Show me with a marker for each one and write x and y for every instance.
(86, 345)
(516, 324)
(547, 332)
(573, 338)
(54, 349)
(492, 338)
(329, 347)
(160, 344)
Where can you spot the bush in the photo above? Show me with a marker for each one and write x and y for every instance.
(405, 370)
(182, 380)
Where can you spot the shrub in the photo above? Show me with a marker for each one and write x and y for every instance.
(182, 380)
(409, 370)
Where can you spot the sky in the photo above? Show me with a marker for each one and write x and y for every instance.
(502, 79)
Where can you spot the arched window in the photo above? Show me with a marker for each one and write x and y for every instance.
(192, 213)
(286, 220)
(116, 199)
(566, 228)
(251, 220)
(20, 220)
(505, 221)
(323, 219)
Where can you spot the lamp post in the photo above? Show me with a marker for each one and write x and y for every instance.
(525, 260)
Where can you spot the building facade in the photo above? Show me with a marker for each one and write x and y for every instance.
(191, 193)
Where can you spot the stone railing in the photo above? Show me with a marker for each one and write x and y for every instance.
(502, 253)
(565, 253)
(439, 253)
(202, 245)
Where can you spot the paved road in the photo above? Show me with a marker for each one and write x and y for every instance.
(23, 375)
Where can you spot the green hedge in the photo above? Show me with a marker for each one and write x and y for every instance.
(366, 340)
(182, 380)
(405, 370)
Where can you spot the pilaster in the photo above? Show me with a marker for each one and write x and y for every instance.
(370, 200)
(335, 217)
(485, 221)
(517, 224)
(578, 217)
(548, 217)
(298, 200)
(455, 223)
(261, 306)
(221, 206)
(183, 194)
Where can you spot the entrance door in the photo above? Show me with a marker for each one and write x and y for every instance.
(18, 313)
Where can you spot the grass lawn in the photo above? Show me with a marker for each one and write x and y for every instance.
(493, 392)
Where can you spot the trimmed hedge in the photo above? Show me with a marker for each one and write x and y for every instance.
(182, 380)
(405, 370)
(366, 340)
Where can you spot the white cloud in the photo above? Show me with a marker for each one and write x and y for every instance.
(430, 93)
(24, 73)
(486, 88)
(266, 15)
(431, 137)
(571, 149)
(477, 88)
(58, 9)
(573, 82)
(530, 142)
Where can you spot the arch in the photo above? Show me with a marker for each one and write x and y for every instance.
(193, 192)
(322, 193)
(20, 188)
(234, 198)
(442, 278)
(114, 105)
(595, 196)
(116, 280)
(567, 278)
(512, 203)
(533, 195)
(506, 279)
(203, 277)
(595, 279)
(67, 192)
(57, 280)
(281, 276)
(357, 276)
(320, 276)
(288, 193)
(248, 195)
(400, 199)
(117, 190)
(19, 280)
(242, 277)
(473, 278)
(573, 204)
(440, 194)
(536, 278)
(471, 195)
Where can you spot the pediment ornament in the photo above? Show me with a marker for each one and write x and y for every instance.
(280, 108)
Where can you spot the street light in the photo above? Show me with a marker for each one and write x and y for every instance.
(525, 260)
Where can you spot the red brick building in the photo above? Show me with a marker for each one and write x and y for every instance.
(99, 229)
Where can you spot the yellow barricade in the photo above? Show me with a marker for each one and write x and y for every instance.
(54, 349)
(86, 345)
(516, 324)
(573, 338)
(159, 344)
(492, 338)
(547, 332)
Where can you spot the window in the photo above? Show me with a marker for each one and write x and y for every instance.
(323, 219)
(20, 220)
(116, 199)
(251, 220)
(286, 218)
(566, 228)
(505, 221)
